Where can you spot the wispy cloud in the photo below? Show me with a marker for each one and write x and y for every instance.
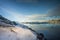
(25, 18)
(27, 1)
(54, 11)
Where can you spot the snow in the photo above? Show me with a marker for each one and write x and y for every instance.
(16, 33)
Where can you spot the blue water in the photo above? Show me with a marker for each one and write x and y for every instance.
(51, 31)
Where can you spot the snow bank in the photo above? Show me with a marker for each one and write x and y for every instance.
(16, 33)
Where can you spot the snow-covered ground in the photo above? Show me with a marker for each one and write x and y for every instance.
(16, 33)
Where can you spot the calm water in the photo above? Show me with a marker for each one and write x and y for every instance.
(51, 31)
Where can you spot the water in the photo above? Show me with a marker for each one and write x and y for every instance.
(51, 31)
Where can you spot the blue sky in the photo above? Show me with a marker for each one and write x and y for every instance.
(18, 10)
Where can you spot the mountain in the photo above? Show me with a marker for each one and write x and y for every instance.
(11, 30)
(5, 22)
(34, 22)
(54, 21)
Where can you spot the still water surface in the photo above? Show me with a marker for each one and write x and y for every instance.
(51, 31)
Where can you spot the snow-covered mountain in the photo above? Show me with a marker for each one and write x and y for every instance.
(11, 30)
(6, 22)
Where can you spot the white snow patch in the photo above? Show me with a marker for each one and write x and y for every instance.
(16, 33)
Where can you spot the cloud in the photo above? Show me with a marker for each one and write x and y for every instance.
(37, 15)
(24, 18)
(29, 18)
(27, 1)
(54, 12)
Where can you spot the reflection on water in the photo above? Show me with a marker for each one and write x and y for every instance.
(51, 31)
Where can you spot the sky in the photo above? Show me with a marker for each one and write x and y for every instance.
(30, 10)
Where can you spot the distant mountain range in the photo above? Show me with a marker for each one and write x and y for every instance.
(35, 22)
(54, 21)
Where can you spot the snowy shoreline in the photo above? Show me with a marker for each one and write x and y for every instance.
(16, 33)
